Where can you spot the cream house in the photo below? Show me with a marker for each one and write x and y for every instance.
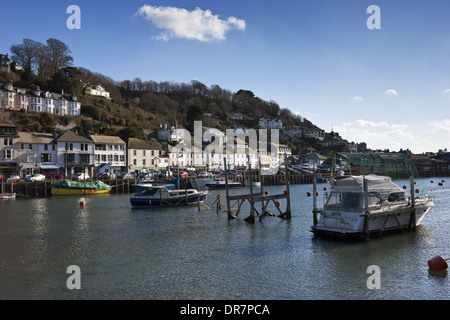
(143, 156)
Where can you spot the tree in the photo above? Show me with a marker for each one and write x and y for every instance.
(26, 55)
(58, 55)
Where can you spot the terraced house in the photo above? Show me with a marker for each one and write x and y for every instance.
(14, 98)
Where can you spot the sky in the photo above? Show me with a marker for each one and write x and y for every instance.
(380, 76)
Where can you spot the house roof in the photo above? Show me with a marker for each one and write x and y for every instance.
(107, 139)
(69, 136)
(33, 137)
(134, 143)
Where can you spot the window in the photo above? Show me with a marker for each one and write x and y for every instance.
(85, 158)
(134, 162)
(143, 162)
(30, 146)
(46, 157)
(134, 152)
(7, 154)
(109, 158)
(116, 158)
(122, 158)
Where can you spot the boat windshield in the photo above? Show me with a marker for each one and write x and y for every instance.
(351, 201)
(148, 192)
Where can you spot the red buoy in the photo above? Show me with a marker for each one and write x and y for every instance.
(278, 204)
(308, 194)
(437, 263)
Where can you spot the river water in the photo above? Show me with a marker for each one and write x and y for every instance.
(181, 253)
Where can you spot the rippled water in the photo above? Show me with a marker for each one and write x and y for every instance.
(181, 253)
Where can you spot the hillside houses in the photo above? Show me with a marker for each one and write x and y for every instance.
(36, 100)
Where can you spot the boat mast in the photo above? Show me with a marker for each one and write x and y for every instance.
(412, 218)
(366, 200)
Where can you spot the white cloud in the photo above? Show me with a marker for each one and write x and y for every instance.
(446, 91)
(360, 99)
(197, 24)
(391, 92)
(442, 127)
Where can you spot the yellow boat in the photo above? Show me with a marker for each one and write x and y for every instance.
(68, 187)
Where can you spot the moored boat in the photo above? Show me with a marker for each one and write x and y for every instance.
(221, 184)
(358, 206)
(69, 187)
(160, 196)
(7, 196)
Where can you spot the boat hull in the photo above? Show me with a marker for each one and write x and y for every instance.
(341, 226)
(7, 196)
(222, 186)
(167, 202)
(72, 192)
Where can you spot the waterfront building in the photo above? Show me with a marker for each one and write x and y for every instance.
(75, 153)
(109, 154)
(36, 152)
(8, 154)
(142, 156)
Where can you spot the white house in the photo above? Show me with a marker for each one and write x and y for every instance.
(270, 124)
(98, 91)
(109, 154)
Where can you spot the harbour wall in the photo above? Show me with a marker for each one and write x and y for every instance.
(119, 186)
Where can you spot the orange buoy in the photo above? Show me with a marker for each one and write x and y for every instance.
(308, 194)
(438, 263)
(267, 192)
(417, 191)
(404, 187)
(219, 196)
(277, 204)
(325, 189)
(82, 203)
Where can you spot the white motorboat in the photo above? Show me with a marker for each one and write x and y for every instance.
(221, 184)
(362, 205)
(161, 196)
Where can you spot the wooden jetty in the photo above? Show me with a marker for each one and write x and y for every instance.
(254, 198)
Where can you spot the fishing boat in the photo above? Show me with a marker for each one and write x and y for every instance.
(7, 196)
(160, 196)
(362, 205)
(69, 187)
(256, 184)
(221, 184)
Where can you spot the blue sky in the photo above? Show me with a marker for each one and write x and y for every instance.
(386, 87)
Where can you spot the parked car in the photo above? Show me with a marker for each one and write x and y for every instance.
(104, 175)
(13, 178)
(145, 175)
(183, 174)
(52, 175)
(80, 176)
(35, 177)
(125, 176)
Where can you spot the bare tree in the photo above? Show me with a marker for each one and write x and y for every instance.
(26, 54)
(58, 55)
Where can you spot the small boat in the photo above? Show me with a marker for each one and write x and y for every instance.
(221, 184)
(69, 187)
(160, 196)
(358, 206)
(254, 184)
(7, 196)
